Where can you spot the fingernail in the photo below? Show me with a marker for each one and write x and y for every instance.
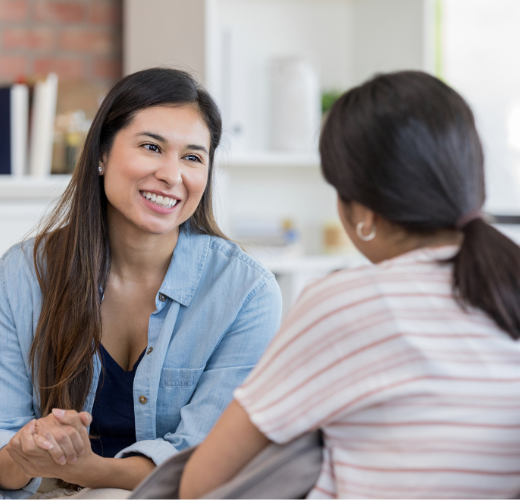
(57, 412)
(82, 453)
(73, 461)
(48, 445)
(62, 461)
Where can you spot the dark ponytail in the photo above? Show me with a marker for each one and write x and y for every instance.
(486, 274)
(405, 145)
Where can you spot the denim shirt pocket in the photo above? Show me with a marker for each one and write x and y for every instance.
(176, 387)
(180, 377)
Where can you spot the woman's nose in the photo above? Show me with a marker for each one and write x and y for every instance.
(170, 172)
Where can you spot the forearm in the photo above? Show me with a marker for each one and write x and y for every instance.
(123, 473)
(12, 476)
(230, 445)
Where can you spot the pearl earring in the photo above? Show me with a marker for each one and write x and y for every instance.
(100, 169)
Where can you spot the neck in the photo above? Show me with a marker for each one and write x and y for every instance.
(402, 242)
(137, 255)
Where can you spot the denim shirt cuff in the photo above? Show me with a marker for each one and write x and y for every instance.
(157, 450)
(27, 491)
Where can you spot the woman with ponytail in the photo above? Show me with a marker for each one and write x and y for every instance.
(128, 321)
(409, 366)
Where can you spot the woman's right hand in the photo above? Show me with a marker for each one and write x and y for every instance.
(63, 434)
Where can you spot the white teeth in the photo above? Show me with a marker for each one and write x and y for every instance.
(164, 201)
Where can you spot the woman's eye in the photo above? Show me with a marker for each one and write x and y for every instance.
(193, 158)
(152, 147)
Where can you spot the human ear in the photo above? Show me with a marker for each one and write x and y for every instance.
(101, 165)
(356, 212)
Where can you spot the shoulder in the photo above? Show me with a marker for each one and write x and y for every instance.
(18, 261)
(422, 269)
(231, 272)
(20, 293)
(231, 252)
(363, 277)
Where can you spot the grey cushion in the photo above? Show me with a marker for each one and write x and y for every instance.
(279, 471)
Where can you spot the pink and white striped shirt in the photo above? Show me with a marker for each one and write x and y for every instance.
(415, 396)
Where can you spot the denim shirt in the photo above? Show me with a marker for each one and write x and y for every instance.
(216, 311)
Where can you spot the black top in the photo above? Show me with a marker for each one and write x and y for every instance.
(113, 417)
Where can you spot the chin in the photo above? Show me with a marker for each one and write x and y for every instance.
(158, 228)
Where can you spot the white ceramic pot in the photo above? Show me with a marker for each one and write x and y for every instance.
(295, 105)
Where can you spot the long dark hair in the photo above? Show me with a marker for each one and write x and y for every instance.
(405, 145)
(71, 251)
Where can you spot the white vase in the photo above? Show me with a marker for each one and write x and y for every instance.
(295, 105)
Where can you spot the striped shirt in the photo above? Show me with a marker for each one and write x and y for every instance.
(415, 396)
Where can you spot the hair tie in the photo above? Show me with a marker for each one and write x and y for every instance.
(465, 219)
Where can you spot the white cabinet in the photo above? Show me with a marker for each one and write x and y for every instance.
(23, 203)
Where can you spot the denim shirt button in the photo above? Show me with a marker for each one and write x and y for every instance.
(143, 400)
(162, 297)
(149, 350)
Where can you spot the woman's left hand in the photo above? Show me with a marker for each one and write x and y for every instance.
(32, 451)
(64, 434)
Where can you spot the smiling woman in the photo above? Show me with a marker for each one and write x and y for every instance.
(128, 321)
(172, 143)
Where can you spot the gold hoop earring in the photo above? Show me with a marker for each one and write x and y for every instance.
(361, 236)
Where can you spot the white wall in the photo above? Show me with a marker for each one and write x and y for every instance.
(388, 35)
(164, 33)
(481, 51)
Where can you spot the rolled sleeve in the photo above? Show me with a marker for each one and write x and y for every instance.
(157, 450)
(27, 491)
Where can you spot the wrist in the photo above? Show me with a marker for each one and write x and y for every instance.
(97, 472)
(12, 475)
(123, 473)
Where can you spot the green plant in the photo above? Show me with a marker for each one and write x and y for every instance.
(328, 98)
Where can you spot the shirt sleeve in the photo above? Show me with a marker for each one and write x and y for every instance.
(16, 407)
(312, 371)
(236, 355)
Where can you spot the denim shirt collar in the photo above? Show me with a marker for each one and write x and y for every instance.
(185, 269)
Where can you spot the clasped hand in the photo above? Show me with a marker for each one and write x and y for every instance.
(56, 446)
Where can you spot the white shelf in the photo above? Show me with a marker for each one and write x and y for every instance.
(261, 159)
(32, 188)
(313, 264)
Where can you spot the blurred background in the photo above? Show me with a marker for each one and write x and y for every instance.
(275, 68)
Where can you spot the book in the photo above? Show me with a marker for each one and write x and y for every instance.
(42, 126)
(14, 113)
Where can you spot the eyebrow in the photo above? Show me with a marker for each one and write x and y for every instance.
(157, 137)
(197, 147)
(160, 138)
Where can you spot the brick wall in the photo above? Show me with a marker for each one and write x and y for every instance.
(77, 39)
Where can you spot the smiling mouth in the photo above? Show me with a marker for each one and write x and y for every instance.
(160, 201)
